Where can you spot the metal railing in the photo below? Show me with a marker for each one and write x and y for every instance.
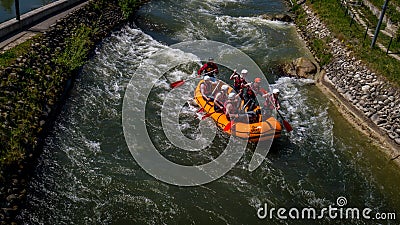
(17, 12)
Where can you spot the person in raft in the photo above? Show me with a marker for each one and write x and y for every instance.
(232, 111)
(206, 89)
(220, 99)
(210, 69)
(239, 81)
(252, 89)
(271, 103)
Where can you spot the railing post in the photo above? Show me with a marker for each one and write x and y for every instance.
(18, 15)
(390, 43)
(352, 19)
(366, 32)
(379, 23)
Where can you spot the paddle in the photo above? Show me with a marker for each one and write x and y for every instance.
(207, 115)
(244, 106)
(286, 124)
(181, 82)
(228, 126)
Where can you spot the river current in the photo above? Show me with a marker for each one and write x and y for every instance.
(86, 174)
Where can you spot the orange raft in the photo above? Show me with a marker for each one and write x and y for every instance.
(261, 130)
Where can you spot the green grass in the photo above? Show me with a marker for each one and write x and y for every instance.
(367, 16)
(9, 56)
(78, 46)
(127, 7)
(333, 15)
(318, 46)
(391, 11)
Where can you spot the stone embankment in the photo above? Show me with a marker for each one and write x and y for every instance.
(375, 100)
(31, 93)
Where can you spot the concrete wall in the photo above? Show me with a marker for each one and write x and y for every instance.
(30, 18)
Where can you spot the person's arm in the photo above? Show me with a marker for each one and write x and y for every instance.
(202, 89)
(278, 105)
(263, 91)
(234, 74)
(201, 69)
(216, 100)
(215, 68)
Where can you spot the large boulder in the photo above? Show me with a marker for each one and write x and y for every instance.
(278, 17)
(301, 68)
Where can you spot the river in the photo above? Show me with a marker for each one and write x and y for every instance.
(86, 174)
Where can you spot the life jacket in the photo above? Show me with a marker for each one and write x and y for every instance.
(207, 88)
(271, 102)
(235, 109)
(252, 91)
(210, 67)
(238, 82)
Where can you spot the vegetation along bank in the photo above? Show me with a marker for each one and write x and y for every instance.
(363, 81)
(34, 79)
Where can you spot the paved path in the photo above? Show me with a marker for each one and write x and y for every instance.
(32, 31)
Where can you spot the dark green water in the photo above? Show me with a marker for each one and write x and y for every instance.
(7, 7)
(87, 175)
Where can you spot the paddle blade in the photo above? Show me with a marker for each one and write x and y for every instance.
(228, 126)
(177, 83)
(206, 116)
(287, 126)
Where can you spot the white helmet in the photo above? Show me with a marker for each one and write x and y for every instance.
(275, 91)
(224, 87)
(231, 95)
(206, 78)
(244, 71)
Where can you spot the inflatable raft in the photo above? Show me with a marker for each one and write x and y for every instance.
(261, 130)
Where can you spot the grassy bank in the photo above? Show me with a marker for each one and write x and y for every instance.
(33, 76)
(333, 15)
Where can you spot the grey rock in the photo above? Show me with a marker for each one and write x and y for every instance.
(375, 118)
(365, 88)
(381, 122)
(393, 135)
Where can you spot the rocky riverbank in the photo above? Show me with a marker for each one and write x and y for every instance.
(372, 101)
(34, 87)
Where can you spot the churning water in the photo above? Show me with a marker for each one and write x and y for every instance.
(86, 174)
